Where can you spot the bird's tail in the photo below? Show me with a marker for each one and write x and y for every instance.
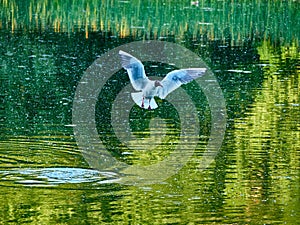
(138, 99)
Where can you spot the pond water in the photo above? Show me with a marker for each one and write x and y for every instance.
(252, 49)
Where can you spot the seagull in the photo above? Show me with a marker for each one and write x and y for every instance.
(149, 88)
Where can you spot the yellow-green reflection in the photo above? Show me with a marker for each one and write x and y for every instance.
(267, 141)
(255, 178)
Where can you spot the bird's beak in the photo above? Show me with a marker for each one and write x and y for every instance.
(158, 84)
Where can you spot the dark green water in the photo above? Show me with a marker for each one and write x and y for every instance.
(252, 47)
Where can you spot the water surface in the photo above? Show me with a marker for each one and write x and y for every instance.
(253, 50)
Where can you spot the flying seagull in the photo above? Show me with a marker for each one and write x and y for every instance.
(149, 88)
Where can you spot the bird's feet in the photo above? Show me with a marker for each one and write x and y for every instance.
(143, 102)
(149, 107)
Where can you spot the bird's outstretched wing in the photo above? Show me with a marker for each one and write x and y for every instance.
(176, 78)
(135, 70)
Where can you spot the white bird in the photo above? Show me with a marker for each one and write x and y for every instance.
(150, 88)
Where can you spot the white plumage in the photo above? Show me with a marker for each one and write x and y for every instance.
(150, 88)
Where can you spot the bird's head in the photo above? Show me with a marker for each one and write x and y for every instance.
(158, 84)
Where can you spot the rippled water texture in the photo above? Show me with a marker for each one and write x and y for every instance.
(251, 47)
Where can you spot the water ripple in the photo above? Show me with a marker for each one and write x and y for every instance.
(52, 177)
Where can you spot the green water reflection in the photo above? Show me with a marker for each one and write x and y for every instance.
(252, 48)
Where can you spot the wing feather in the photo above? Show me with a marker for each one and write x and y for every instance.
(176, 78)
(135, 70)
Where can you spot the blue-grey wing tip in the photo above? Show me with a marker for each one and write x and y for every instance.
(121, 52)
(192, 74)
(195, 72)
(127, 59)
